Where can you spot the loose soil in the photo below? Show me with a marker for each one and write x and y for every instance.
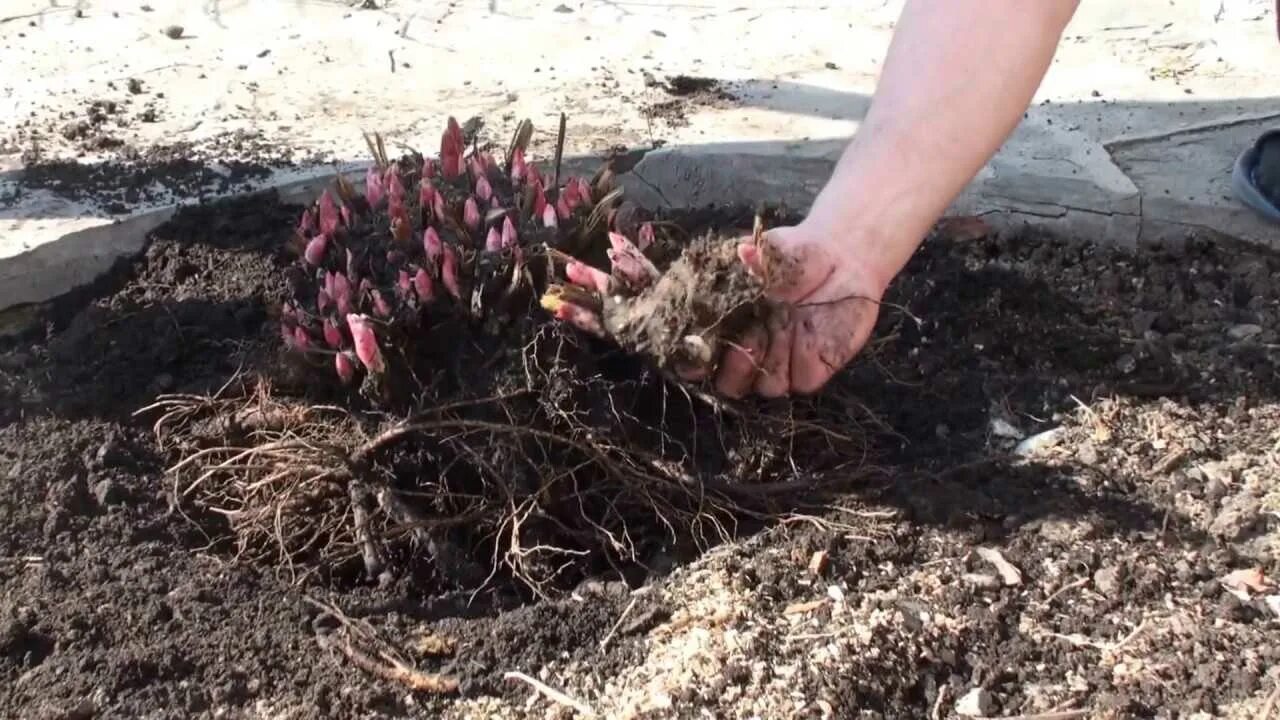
(1148, 383)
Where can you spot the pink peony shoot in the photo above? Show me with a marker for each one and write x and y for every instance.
(493, 241)
(345, 366)
(508, 233)
(332, 335)
(374, 191)
(366, 342)
(471, 215)
(316, 248)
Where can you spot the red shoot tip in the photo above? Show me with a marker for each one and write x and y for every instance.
(471, 215)
(316, 247)
(328, 214)
(432, 246)
(332, 335)
(508, 233)
(493, 241)
(374, 191)
(345, 367)
(366, 342)
(450, 273)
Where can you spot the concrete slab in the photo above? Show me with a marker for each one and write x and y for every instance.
(1128, 139)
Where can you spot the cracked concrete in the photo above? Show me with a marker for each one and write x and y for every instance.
(1130, 139)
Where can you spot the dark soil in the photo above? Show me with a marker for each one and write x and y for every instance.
(87, 155)
(1158, 370)
(686, 91)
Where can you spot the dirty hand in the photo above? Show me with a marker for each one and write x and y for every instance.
(831, 299)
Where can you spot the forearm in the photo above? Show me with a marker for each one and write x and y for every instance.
(958, 77)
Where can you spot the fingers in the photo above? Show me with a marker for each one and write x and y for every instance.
(580, 318)
(791, 271)
(741, 362)
(774, 378)
(826, 339)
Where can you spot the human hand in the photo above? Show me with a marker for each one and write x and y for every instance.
(825, 304)
(830, 299)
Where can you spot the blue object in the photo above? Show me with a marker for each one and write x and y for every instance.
(1245, 182)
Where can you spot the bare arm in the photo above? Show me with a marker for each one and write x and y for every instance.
(957, 79)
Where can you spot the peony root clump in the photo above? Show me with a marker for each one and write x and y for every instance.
(437, 417)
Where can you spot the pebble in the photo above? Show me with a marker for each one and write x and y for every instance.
(1039, 442)
(1107, 580)
(975, 703)
(107, 492)
(1240, 514)
(1244, 331)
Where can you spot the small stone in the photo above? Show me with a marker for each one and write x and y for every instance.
(981, 580)
(1126, 364)
(1107, 580)
(135, 86)
(1244, 331)
(107, 492)
(1040, 442)
(1066, 531)
(1239, 516)
(975, 703)
(818, 563)
(173, 32)
(562, 8)
(1087, 454)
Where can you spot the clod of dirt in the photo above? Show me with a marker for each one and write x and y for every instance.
(703, 299)
(135, 86)
(682, 85)
(173, 32)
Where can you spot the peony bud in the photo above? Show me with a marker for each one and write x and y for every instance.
(403, 282)
(432, 246)
(508, 233)
(426, 194)
(301, 339)
(323, 301)
(395, 186)
(519, 169)
(316, 247)
(471, 214)
(629, 264)
(345, 366)
(539, 200)
(493, 241)
(423, 286)
(429, 169)
(366, 342)
(328, 214)
(562, 207)
(549, 217)
(450, 272)
(345, 213)
(380, 306)
(332, 335)
(475, 164)
(437, 206)
(534, 176)
(342, 293)
(646, 238)
(374, 191)
(483, 189)
(451, 147)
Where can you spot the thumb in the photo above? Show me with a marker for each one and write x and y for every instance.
(790, 271)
